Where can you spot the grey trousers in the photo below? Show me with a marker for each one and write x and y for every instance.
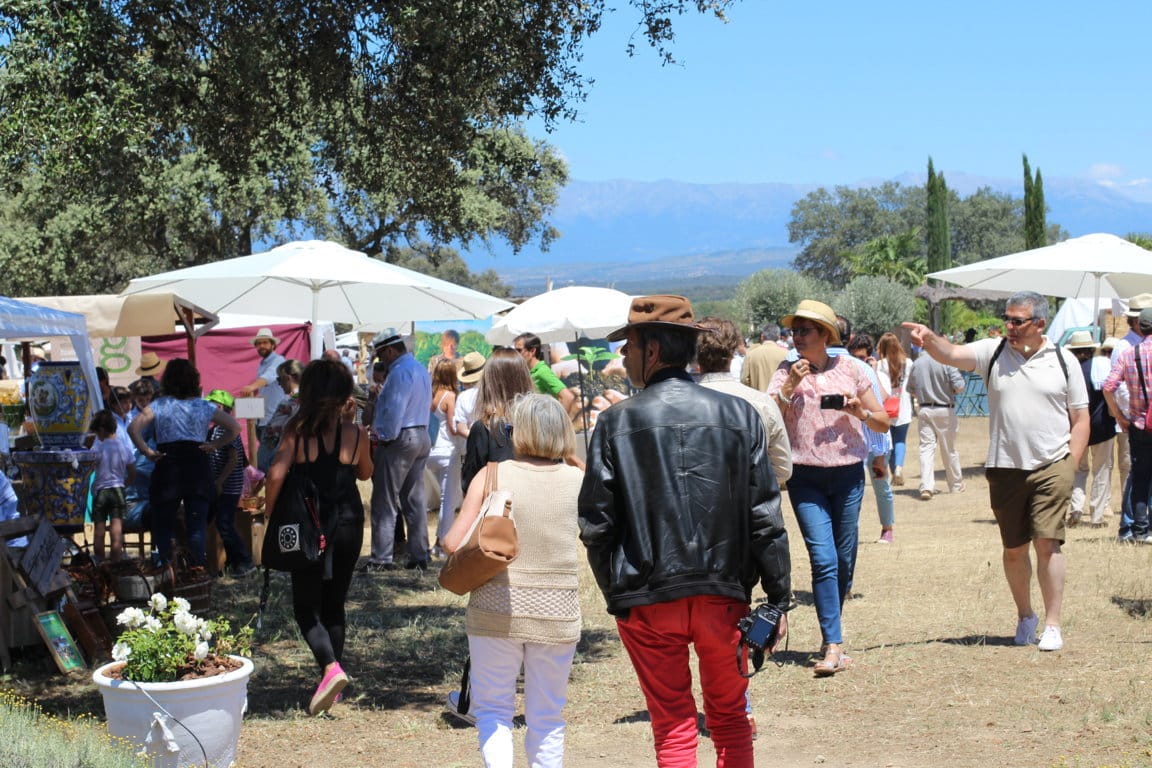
(398, 488)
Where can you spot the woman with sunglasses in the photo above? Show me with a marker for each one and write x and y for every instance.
(825, 399)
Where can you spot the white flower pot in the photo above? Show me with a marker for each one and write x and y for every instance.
(210, 707)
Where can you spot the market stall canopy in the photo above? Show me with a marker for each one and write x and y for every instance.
(21, 321)
(1100, 265)
(564, 314)
(154, 314)
(324, 281)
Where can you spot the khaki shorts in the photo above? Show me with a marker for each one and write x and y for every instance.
(1031, 504)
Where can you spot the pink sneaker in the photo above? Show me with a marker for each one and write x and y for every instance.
(330, 687)
(885, 537)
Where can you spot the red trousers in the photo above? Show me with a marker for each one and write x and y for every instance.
(657, 639)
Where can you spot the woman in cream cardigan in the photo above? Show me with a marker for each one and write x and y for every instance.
(529, 615)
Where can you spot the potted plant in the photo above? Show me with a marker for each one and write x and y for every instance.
(177, 686)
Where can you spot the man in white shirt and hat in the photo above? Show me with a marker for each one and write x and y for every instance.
(266, 386)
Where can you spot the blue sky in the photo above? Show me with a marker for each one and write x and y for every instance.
(841, 92)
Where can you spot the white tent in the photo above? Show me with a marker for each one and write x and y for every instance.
(21, 321)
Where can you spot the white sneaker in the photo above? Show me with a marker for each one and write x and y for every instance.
(1051, 640)
(453, 702)
(1026, 630)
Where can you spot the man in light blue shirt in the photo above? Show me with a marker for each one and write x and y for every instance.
(267, 386)
(400, 424)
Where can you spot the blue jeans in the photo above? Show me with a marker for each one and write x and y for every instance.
(899, 437)
(882, 487)
(827, 505)
(1139, 488)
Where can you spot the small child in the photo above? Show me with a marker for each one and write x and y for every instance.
(116, 468)
(228, 478)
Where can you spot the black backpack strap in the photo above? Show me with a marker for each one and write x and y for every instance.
(1000, 348)
(996, 355)
(1140, 372)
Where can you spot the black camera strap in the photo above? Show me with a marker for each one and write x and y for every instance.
(744, 652)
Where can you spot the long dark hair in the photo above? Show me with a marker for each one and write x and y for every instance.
(180, 379)
(325, 387)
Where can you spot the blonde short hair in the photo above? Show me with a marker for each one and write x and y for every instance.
(540, 428)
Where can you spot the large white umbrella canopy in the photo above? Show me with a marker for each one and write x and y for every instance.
(1099, 266)
(564, 314)
(324, 281)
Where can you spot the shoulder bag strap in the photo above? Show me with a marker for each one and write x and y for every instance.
(1140, 372)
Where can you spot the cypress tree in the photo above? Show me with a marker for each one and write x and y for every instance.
(1034, 234)
(938, 237)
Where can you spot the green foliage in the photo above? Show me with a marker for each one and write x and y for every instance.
(875, 305)
(829, 225)
(1142, 239)
(140, 136)
(770, 294)
(895, 257)
(1035, 234)
(589, 356)
(939, 246)
(31, 739)
(166, 643)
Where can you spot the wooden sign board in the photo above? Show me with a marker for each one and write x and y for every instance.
(248, 408)
(59, 641)
(41, 560)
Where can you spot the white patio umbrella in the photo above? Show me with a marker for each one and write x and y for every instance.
(324, 281)
(564, 314)
(1097, 266)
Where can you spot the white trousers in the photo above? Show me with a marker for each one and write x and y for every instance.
(1101, 469)
(447, 467)
(939, 424)
(496, 664)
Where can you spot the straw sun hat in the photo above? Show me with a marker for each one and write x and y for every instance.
(819, 313)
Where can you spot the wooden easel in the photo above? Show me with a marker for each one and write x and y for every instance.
(36, 581)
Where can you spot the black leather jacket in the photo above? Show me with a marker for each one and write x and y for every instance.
(679, 499)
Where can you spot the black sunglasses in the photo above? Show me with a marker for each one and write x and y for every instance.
(1016, 322)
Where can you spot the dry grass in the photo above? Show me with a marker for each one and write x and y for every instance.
(937, 681)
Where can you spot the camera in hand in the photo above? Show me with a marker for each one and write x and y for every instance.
(831, 402)
(758, 628)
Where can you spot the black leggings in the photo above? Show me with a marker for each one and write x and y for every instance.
(318, 604)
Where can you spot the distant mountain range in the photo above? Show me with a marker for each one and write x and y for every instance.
(640, 236)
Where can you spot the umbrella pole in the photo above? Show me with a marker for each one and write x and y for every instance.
(313, 347)
(1096, 306)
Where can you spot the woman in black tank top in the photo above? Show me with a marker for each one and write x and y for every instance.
(334, 452)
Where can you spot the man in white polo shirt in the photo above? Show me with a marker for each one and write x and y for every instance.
(1038, 432)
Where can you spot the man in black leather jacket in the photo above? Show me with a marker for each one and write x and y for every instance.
(680, 513)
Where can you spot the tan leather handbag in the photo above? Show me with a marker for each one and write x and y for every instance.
(492, 542)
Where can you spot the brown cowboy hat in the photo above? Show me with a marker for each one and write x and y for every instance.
(819, 313)
(669, 311)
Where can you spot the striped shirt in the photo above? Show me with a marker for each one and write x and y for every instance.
(1124, 372)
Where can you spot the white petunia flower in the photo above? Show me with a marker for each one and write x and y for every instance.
(158, 602)
(152, 624)
(121, 652)
(131, 618)
(205, 633)
(186, 623)
(181, 605)
(201, 651)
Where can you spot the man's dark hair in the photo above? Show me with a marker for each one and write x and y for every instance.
(531, 341)
(677, 347)
(845, 326)
(379, 367)
(101, 374)
(103, 421)
(861, 341)
(1145, 328)
(452, 334)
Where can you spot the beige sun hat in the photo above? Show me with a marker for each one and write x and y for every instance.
(819, 313)
(1110, 343)
(265, 333)
(151, 365)
(470, 368)
(1138, 302)
(1081, 340)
